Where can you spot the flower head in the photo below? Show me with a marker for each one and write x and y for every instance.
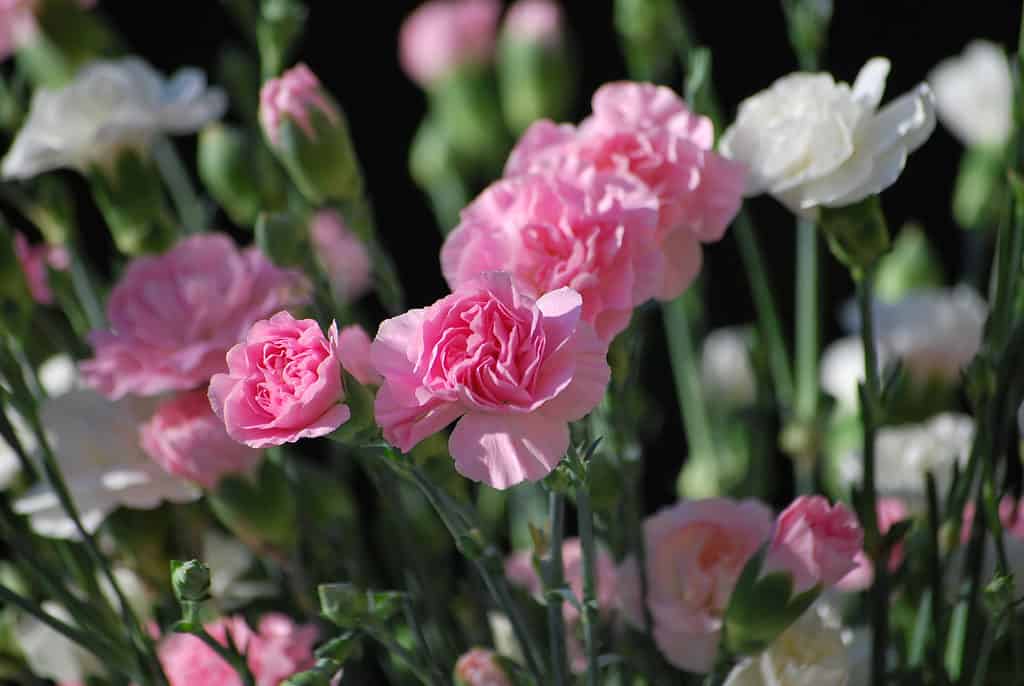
(342, 256)
(174, 316)
(815, 542)
(110, 105)
(188, 440)
(536, 21)
(442, 35)
(514, 369)
(811, 142)
(974, 94)
(283, 383)
(889, 512)
(354, 350)
(34, 260)
(17, 25)
(293, 96)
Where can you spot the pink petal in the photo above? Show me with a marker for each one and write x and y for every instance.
(504, 450)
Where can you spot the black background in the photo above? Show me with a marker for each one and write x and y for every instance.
(351, 45)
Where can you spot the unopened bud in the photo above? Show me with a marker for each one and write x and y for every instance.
(191, 581)
(131, 197)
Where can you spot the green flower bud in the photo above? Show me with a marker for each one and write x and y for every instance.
(857, 234)
(652, 36)
(980, 188)
(190, 581)
(465, 103)
(131, 197)
(912, 264)
(238, 172)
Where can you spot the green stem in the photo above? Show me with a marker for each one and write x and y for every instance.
(589, 549)
(686, 372)
(187, 202)
(395, 648)
(807, 334)
(233, 658)
(556, 580)
(85, 289)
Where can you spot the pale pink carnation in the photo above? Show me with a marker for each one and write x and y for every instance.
(187, 439)
(279, 649)
(890, 511)
(294, 95)
(648, 132)
(817, 543)
(479, 668)
(442, 35)
(696, 551)
(341, 255)
(283, 383)
(354, 347)
(538, 21)
(592, 232)
(514, 369)
(34, 259)
(17, 25)
(174, 316)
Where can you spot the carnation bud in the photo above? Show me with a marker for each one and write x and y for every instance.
(980, 188)
(466, 106)
(238, 172)
(433, 164)
(131, 197)
(857, 234)
(534, 68)
(191, 581)
(652, 35)
(911, 265)
(280, 236)
(308, 133)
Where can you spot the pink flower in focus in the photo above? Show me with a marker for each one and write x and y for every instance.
(174, 316)
(293, 95)
(34, 260)
(341, 255)
(278, 650)
(188, 440)
(17, 25)
(696, 551)
(479, 668)
(442, 35)
(515, 370)
(815, 542)
(283, 383)
(593, 232)
(890, 511)
(354, 346)
(538, 21)
(648, 132)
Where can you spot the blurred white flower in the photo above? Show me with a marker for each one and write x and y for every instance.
(229, 560)
(96, 444)
(809, 653)
(904, 454)
(110, 105)
(49, 654)
(727, 375)
(974, 94)
(842, 369)
(810, 141)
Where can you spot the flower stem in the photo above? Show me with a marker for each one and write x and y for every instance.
(585, 516)
(805, 401)
(187, 202)
(232, 657)
(555, 579)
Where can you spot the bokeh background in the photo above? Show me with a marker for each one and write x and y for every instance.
(351, 45)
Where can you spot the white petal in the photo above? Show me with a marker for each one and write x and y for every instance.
(870, 84)
(974, 94)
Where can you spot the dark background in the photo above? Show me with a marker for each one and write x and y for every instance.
(351, 45)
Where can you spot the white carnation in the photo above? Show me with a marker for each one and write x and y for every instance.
(727, 375)
(974, 94)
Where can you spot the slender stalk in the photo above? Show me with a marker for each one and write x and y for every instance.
(589, 548)
(807, 349)
(233, 658)
(187, 202)
(685, 370)
(436, 678)
(85, 289)
(555, 578)
(395, 648)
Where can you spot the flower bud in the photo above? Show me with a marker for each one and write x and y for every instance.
(857, 234)
(651, 33)
(980, 188)
(442, 36)
(280, 236)
(480, 667)
(191, 581)
(466, 105)
(238, 172)
(911, 265)
(433, 164)
(308, 133)
(131, 197)
(281, 23)
(534, 70)
(351, 607)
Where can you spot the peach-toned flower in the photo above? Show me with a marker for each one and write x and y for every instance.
(174, 316)
(513, 370)
(815, 542)
(283, 383)
(188, 440)
(34, 260)
(442, 35)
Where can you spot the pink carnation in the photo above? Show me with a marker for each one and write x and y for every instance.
(696, 551)
(341, 255)
(280, 649)
(34, 260)
(479, 668)
(594, 233)
(537, 21)
(17, 25)
(890, 511)
(647, 131)
(293, 95)
(815, 542)
(515, 370)
(283, 383)
(174, 316)
(354, 346)
(443, 35)
(187, 439)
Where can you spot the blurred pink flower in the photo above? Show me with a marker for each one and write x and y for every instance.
(341, 255)
(1011, 515)
(815, 542)
(592, 232)
(354, 346)
(890, 511)
(293, 95)
(696, 551)
(283, 383)
(174, 316)
(647, 131)
(278, 650)
(17, 25)
(442, 35)
(515, 370)
(34, 259)
(187, 439)
(537, 21)
(479, 668)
